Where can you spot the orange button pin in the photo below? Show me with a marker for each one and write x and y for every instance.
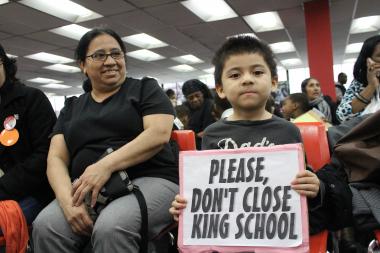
(9, 137)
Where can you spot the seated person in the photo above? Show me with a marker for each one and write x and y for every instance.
(245, 73)
(201, 105)
(312, 88)
(295, 105)
(363, 95)
(135, 118)
(27, 119)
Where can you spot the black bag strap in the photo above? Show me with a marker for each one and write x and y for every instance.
(144, 219)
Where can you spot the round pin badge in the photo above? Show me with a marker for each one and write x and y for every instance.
(10, 122)
(9, 137)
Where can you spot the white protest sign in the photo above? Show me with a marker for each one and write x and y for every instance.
(242, 198)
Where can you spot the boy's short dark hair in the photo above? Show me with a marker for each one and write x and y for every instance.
(239, 45)
(301, 99)
(182, 111)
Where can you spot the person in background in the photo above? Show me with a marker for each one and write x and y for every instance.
(26, 120)
(134, 118)
(295, 105)
(182, 113)
(312, 88)
(363, 95)
(339, 87)
(201, 105)
(171, 95)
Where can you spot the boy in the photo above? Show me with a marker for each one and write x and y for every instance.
(295, 105)
(245, 74)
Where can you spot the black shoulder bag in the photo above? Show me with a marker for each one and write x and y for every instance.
(117, 186)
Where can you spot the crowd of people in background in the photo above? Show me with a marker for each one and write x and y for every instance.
(243, 106)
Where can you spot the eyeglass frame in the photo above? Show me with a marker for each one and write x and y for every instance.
(106, 56)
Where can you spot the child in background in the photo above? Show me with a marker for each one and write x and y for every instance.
(295, 105)
(245, 74)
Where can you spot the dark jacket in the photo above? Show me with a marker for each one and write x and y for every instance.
(24, 163)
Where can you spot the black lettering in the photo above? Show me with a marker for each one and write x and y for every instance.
(217, 200)
(255, 208)
(213, 228)
(231, 169)
(239, 225)
(250, 169)
(196, 201)
(233, 192)
(271, 226)
(221, 174)
(214, 169)
(246, 207)
(240, 176)
(224, 227)
(207, 200)
(285, 198)
(248, 234)
(266, 199)
(205, 224)
(260, 225)
(196, 230)
(277, 199)
(283, 226)
(292, 223)
(259, 168)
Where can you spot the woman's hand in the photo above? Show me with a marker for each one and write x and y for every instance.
(306, 183)
(78, 218)
(178, 204)
(92, 180)
(373, 73)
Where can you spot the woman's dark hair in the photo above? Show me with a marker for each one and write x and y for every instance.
(242, 44)
(84, 42)
(360, 67)
(10, 67)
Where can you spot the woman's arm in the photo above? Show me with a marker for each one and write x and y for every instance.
(157, 131)
(59, 179)
(373, 70)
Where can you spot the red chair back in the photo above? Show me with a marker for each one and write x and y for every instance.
(185, 139)
(315, 143)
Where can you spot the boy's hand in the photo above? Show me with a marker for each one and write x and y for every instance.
(178, 204)
(306, 183)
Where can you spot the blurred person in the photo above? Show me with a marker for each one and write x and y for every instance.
(312, 88)
(201, 105)
(133, 117)
(27, 119)
(339, 87)
(363, 95)
(172, 96)
(182, 113)
(295, 105)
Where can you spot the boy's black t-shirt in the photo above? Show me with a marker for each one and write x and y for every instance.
(89, 127)
(225, 134)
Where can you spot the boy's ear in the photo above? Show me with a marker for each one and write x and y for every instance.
(274, 83)
(219, 90)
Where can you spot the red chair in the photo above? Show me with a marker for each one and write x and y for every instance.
(315, 143)
(317, 153)
(185, 139)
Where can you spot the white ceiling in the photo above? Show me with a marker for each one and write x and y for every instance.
(24, 31)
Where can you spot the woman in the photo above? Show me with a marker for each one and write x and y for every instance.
(312, 88)
(200, 102)
(26, 120)
(363, 95)
(133, 117)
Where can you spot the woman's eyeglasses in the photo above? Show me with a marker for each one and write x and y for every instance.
(102, 56)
